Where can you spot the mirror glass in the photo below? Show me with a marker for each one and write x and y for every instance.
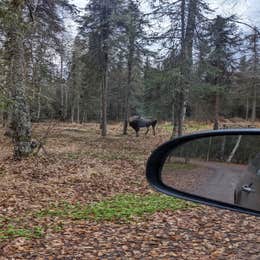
(222, 168)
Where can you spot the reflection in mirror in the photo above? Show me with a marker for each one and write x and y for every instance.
(222, 168)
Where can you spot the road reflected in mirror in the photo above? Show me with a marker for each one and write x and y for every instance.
(221, 168)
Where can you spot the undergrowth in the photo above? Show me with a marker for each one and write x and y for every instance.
(121, 207)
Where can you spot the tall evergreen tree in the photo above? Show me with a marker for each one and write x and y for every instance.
(224, 39)
(133, 24)
(254, 70)
(185, 17)
(99, 25)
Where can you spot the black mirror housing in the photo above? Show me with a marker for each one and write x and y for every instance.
(159, 157)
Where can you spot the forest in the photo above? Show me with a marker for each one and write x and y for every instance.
(72, 170)
(179, 60)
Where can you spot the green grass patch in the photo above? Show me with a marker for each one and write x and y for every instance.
(168, 127)
(195, 127)
(2, 222)
(58, 227)
(189, 127)
(13, 232)
(121, 207)
(11, 228)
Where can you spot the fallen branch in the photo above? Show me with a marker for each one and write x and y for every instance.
(40, 143)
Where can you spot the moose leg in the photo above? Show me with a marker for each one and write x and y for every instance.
(154, 130)
(147, 131)
(137, 132)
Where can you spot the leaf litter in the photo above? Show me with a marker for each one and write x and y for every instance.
(84, 169)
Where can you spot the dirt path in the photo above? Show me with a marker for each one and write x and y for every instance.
(207, 179)
(221, 183)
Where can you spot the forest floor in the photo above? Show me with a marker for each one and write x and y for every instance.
(89, 199)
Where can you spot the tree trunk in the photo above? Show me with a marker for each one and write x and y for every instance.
(189, 37)
(128, 86)
(66, 102)
(39, 104)
(253, 117)
(216, 119)
(209, 149)
(173, 121)
(78, 108)
(184, 110)
(247, 108)
(183, 24)
(20, 121)
(72, 113)
(223, 146)
(105, 33)
(181, 114)
(230, 158)
(186, 56)
(256, 62)
(5, 118)
(178, 123)
(7, 113)
(84, 117)
(104, 91)
(61, 88)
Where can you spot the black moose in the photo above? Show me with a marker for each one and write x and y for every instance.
(137, 122)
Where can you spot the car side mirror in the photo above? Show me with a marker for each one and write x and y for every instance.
(215, 168)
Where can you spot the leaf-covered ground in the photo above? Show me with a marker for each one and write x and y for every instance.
(89, 199)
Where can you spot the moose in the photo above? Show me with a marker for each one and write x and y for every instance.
(137, 122)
